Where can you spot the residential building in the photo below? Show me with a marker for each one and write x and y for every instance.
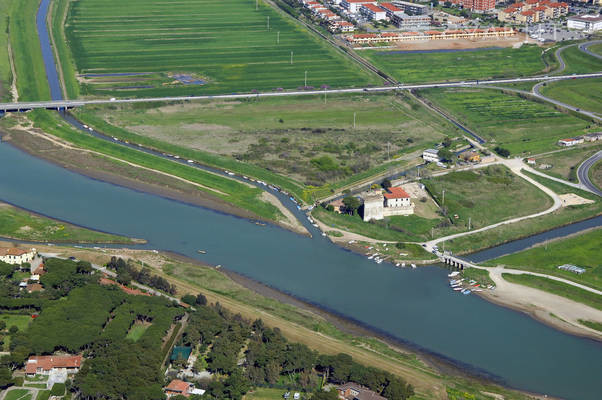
(178, 387)
(353, 6)
(327, 15)
(475, 5)
(45, 365)
(34, 287)
(394, 201)
(338, 205)
(592, 137)
(12, 255)
(570, 142)
(373, 205)
(391, 9)
(531, 161)
(411, 8)
(531, 11)
(373, 13)
(587, 23)
(405, 21)
(431, 155)
(343, 26)
(353, 391)
(388, 37)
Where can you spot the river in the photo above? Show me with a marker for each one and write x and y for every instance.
(414, 306)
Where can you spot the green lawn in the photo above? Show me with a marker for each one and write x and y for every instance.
(507, 120)
(19, 224)
(558, 288)
(564, 164)
(18, 320)
(577, 62)
(595, 174)
(582, 250)
(479, 275)
(424, 67)
(18, 394)
(596, 48)
(137, 331)
(226, 44)
(505, 233)
(265, 394)
(278, 139)
(583, 93)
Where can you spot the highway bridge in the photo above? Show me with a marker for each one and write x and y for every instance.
(62, 105)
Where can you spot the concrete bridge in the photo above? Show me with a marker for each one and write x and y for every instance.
(68, 104)
(455, 262)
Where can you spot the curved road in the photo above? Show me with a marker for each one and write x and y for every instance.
(583, 173)
(584, 47)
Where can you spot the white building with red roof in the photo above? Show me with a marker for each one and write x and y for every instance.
(181, 388)
(394, 201)
(45, 365)
(373, 13)
(13, 255)
(353, 6)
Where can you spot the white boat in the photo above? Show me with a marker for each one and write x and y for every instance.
(315, 225)
(85, 126)
(323, 234)
(379, 261)
(397, 265)
(455, 273)
(90, 129)
(176, 156)
(457, 289)
(403, 264)
(190, 161)
(413, 265)
(371, 257)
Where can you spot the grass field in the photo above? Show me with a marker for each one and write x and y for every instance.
(565, 163)
(595, 174)
(577, 62)
(283, 135)
(22, 225)
(18, 394)
(583, 93)
(5, 72)
(265, 394)
(558, 288)
(136, 331)
(225, 44)
(504, 233)
(507, 120)
(582, 250)
(596, 48)
(452, 66)
(18, 320)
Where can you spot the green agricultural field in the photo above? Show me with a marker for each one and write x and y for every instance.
(564, 164)
(507, 120)
(150, 47)
(20, 224)
(582, 250)
(288, 136)
(583, 93)
(5, 70)
(558, 288)
(578, 62)
(421, 67)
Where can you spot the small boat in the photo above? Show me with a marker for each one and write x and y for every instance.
(457, 289)
(315, 225)
(323, 234)
(397, 265)
(403, 265)
(379, 261)
(90, 129)
(230, 173)
(176, 156)
(371, 257)
(478, 290)
(218, 266)
(413, 265)
(190, 161)
(85, 126)
(467, 291)
(260, 223)
(455, 273)
(201, 251)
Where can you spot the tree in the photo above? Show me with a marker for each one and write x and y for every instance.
(445, 155)
(502, 151)
(189, 299)
(6, 378)
(2, 325)
(351, 204)
(386, 183)
(201, 300)
(323, 395)
(447, 142)
(13, 329)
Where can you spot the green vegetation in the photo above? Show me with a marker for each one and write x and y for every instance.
(596, 48)
(19, 224)
(564, 164)
(7, 321)
(582, 93)
(592, 324)
(226, 189)
(458, 65)
(226, 44)
(18, 394)
(577, 62)
(582, 250)
(5, 70)
(595, 174)
(479, 275)
(283, 141)
(508, 120)
(43, 395)
(63, 57)
(137, 331)
(261, 393)
(517, 230)
(558, 288)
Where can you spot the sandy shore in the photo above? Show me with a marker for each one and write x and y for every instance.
(35, 143)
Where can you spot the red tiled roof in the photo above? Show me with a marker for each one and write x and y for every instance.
(178, 386)
(359, 1)
(12, 251)
(34, 287)
(389, 34)
(527, 13)
(540, 8)
(364, 36)
(345, 23)
(48, 362)
(397, 193)
(135, 292)
(433, 33)
(373, 8)
(390, 6)
(510, 10)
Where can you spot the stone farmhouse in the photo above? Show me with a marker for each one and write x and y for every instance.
(394, 201)
(12, 255)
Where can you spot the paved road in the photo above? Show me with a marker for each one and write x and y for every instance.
(537, 93)
(583, 173)
(584, 47)
(63, 104)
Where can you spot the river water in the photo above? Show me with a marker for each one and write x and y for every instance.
(414, 306)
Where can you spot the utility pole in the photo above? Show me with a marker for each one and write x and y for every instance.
(388, 150)
(353, 120)
(432, 232)
(443, 202)
(469, 218)
(305, 78)
(268, 22)
(278, 38)
(291, 57)
(256, 5)
(324, 95)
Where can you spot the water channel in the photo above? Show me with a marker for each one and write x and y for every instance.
(414, 306)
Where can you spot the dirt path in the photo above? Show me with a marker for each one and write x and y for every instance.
(290, 220)
(347, 236)
(554, 310)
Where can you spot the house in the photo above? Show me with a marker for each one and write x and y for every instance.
(431, 155)
(373, 13)
(531, 161)
(177, 387)
(353, 6)
(592, 137)
(45, 365)
(378, 205)
(353, 391)
(39, 270)
(34, 287)
(570, 142)
(391, 9)
(411, 8)
(12, 255)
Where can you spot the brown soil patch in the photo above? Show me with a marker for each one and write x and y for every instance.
(460, 43)
(571, 199)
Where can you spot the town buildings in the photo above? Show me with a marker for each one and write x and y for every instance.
(592, 137)
(368, 38)
(411, 8)
(373, 13)
(532, 11)
(12, 255)
(353, 6)
(475, 5)
(46, 365)
(353, 391)
(405, 21)
(587, 23)
(394, 201)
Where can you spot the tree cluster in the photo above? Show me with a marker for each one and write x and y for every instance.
(127, 272)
